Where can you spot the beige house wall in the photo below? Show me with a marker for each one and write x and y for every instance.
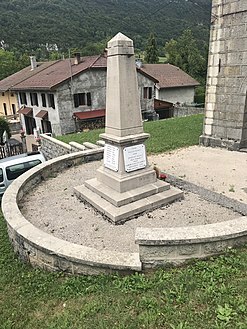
(10, 100)
(176, 95)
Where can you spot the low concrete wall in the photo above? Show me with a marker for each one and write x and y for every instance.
(45, 251)
(159, 247)
(183, 111)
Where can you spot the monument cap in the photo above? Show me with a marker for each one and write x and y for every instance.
(120, 45)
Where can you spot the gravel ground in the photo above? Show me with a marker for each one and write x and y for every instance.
(52, 207)
(215, 169)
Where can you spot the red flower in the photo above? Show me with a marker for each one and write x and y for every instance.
(162, 176)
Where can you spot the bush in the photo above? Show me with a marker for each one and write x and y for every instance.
(4, 126)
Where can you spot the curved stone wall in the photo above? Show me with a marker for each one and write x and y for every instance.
(158, 247)
(45, 251)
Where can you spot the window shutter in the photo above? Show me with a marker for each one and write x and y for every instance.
(76, 100)
(89, 100)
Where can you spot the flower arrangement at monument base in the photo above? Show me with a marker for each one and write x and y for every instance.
(159, 174)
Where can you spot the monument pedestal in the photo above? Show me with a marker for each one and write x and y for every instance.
(125, 185)
(129, 209)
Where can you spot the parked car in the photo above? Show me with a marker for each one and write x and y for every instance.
(13, 167)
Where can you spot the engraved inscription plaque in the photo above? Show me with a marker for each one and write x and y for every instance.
(111, 157)
(134, 157)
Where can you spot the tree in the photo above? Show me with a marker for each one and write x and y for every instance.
(185, 54)
(151, 53)
(11, 62)
(7, 63)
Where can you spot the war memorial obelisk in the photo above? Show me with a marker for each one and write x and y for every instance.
(125, 184)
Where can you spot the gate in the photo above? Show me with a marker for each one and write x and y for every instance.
(10, 148)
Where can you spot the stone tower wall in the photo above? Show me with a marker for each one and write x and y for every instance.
(225, 122)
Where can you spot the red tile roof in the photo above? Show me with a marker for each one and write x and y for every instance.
(159, 104)
(55, 74)
(22, 75)
(169, 76)
(48, 75)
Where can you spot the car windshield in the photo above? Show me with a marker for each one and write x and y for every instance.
(16, 170)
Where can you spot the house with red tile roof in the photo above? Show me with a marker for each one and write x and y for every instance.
(63, 96)
(58, 95)
(174, 86)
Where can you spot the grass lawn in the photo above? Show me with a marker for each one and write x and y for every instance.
(165, 135)
(208, 294)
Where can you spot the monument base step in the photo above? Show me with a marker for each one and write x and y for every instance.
(120, 199)
(118, 215)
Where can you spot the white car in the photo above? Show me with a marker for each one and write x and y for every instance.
(13, 167)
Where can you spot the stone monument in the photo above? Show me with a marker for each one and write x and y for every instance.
(225, 123)
(125, 184)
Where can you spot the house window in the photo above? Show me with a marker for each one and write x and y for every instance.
(82, 99)
(147, 92)
(51, 101)
(79, 99)
(43, 98)
(14, 109)
(2, 94)
(23, 98)
(12, 95)
(5, 108)
(34, 99)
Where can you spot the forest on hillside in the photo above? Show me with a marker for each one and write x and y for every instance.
(27, 25)
(51, 29)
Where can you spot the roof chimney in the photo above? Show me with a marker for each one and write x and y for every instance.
(77, 58)
(138, 63)
(33, 62)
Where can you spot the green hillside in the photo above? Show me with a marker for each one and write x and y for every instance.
(27, 25)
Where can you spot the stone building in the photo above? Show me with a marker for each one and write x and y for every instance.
(174, 86)
(55, 96)
(225, 123)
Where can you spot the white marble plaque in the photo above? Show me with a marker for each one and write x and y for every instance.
(134, 157)
(111, 157)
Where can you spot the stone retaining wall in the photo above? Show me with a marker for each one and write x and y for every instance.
(184, 111)
(53, 148)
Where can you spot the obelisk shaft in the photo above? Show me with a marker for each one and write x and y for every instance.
(123, 112)
(125, 184)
